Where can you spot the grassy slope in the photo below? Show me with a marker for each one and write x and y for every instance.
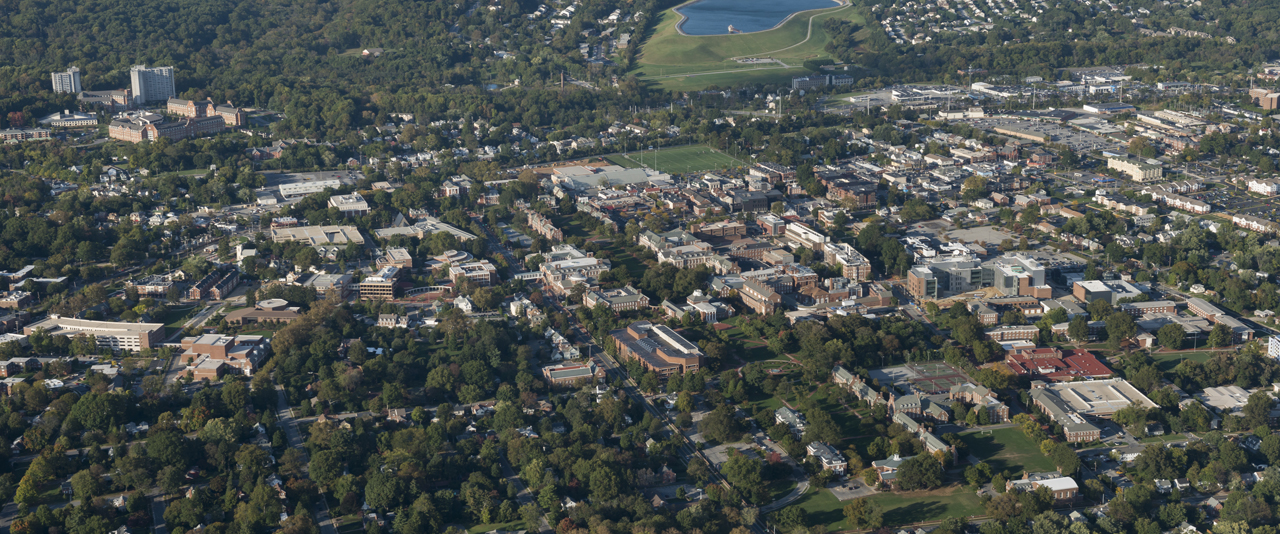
(667, 52)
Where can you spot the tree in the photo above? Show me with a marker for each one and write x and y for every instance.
(1078, 330)
(863, 514)
(326, 466)
(1120, 326)
(1099, 309)
(85, 485)
(920, 472)
(1171, 336)
(1220, 336)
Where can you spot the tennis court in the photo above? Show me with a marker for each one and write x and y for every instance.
(936, 377)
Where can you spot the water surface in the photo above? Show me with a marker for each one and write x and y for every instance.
(713, 17)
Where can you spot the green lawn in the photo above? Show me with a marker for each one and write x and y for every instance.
(899, 508)
(1007, 449)
(711, 59)
(512, 525)
(1166, 362)
(678, 160)
(175, 317)
(916, 507)
(622, 161)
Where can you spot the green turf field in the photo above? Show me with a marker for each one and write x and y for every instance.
(683, 62)
(680, 160)
(899, 508)
(1007, 449)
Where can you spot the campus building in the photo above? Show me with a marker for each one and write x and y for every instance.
(116, 336)
(1137, 171)
(151, 84)
(657, 348)
(67, 82)
(211, 355)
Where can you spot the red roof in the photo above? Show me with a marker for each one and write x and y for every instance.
(1053, 364)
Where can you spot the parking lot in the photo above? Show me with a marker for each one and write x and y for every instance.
(278, 179)
(1078, 141)
(1238, 201)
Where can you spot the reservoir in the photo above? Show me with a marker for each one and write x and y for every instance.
(713, 17)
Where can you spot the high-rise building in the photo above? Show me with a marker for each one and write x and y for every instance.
(153, 84)
(67, 82)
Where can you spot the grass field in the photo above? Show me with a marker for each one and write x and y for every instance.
(1166, 362)
(681, 62)
(899, 508)
(683, 159)
(1007, 449)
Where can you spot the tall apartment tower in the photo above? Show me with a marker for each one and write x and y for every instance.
(151, 85)
(67, 82)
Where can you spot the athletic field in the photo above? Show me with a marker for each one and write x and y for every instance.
(681, 160)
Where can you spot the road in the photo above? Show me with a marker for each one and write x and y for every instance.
(284, 418)
(523, 495)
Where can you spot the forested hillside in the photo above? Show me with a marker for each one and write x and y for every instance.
(291, 53)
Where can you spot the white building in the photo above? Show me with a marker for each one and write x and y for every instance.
(153, 84)
(67, 82)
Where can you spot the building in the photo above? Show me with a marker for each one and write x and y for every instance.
(1050, 363)
(921, 282)
(116, 336)
(618, 300)
(1256, 224)
(573, 267)
(151, 286)
(17, 135)
(1018, 274)
(888, 468)
(980, 397)
(150, 127)
(571, 374)
(657, 348)
(1267, 99)
(265, 311)
(821, 80)
(853, 264)
(1112, 291)
(480, 272)
(151, 84)
(318, 235)
(381, 285)
(15, 300)
(1239, 332)
(1111, 108)
(1064, 489)
(67, 82)
(1138, 171)
(1070, 403)
(70, 119)
(831, 459)
(329, 285)
(1014, 333)
(397, 257)
(701, 306)
(543, 226)
(854, 383)
(352, 205)
(302, 189)
(793, 419)
(217, 285)
(799, 235)
(211, 355)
